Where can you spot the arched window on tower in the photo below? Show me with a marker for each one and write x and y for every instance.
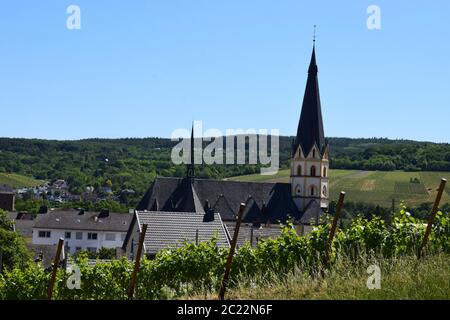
(313, 171)
(299, 170)
(324, 171)
(324, 191)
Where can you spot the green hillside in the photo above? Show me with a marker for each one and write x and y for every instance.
(376, 187)
(18, 181)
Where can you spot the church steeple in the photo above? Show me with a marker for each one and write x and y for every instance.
(190, 172)
(310, 127)
(310, 158)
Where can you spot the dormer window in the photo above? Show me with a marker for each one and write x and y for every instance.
(299, 170)
(314, 153)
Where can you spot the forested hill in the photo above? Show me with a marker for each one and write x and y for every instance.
(134, 163)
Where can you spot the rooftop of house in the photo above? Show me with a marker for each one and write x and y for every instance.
(84, 220)
(5, 189)
(171, 229)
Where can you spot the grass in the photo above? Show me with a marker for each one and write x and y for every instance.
(18, 181)
(401, 278)
(377, 187)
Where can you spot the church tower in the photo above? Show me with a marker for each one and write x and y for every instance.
(310, 155)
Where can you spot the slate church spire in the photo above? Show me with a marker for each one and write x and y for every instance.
(190, 172)
(310, 127)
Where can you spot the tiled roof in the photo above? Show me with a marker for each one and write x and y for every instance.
(259, 233)
(48, 253)
(73, 220)
(171, 229)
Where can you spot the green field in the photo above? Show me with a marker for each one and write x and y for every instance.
(377, 187)
(18, 181)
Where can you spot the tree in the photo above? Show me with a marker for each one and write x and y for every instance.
(12, 245)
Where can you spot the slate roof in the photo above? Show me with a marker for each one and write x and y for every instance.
(313, 213)
(171, 229)
(310, 127)
(73, 220)
(5, 189)
(265, 201)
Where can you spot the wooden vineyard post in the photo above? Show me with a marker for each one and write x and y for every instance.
(431, 218)
(137, 263)
(51, 285)
(226, 276)
(334, 226)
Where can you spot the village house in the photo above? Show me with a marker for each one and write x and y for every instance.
(7, 198)
(81, 230)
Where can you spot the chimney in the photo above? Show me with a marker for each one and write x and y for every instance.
(209, 213)
(104, 213)
(43, 210)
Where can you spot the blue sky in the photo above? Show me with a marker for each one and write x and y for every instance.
(145, 68)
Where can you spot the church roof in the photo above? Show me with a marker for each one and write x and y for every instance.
(265, 201)
(313, 213)
(310, 127)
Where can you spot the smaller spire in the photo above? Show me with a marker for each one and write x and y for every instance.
(190, 173)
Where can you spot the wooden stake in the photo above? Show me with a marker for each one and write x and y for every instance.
(431, 217)
(137, 263)
(334, 226)
(226, 276)
(51, 285)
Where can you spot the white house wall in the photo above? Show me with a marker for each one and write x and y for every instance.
(84, 243)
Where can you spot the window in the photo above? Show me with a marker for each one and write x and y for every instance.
(298, 190)
(44, 234)
(92, 236)
(313, 190)
(324, 171)
(78, 249)
(68, 235)
(314, 153)
(299, 170)
(122, 237)
(324, 191)
(313, 171)
(110, 237)
(90, 249)
(79, 236)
